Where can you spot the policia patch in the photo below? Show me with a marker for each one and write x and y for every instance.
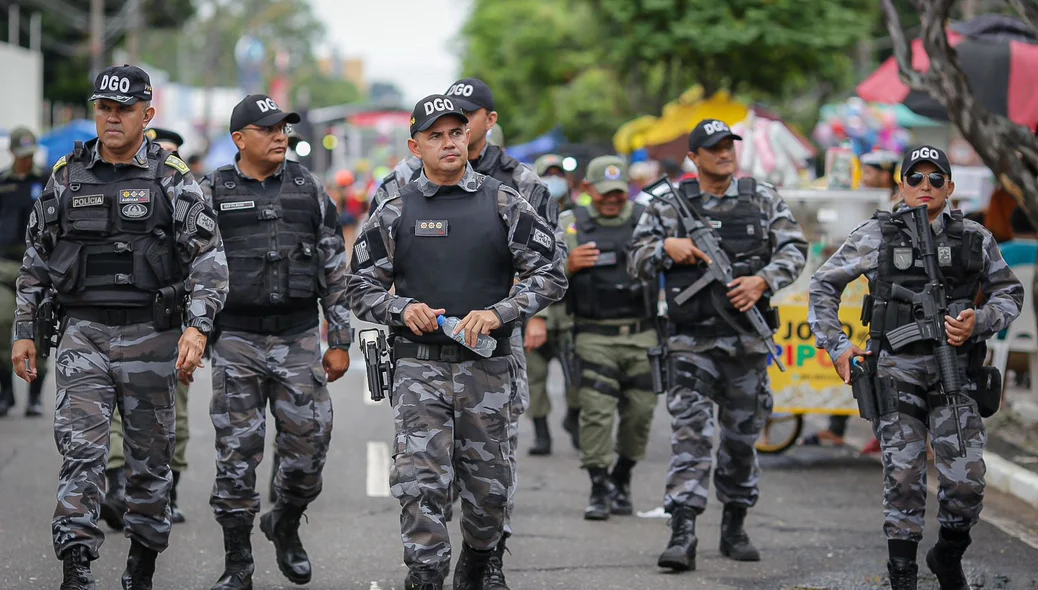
(533, 232)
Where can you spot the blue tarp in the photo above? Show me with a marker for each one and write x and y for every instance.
(529, 151)
(221, 153)
(62, 140)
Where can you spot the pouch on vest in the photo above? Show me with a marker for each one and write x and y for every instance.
(160, 260)
(65, 266)
(302, 271)
(91, 220)
(986, 390)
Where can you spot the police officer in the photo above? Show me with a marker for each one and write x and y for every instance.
(114, 505)
(548, 335)
(286, 254)
(614, 331)
(20, 186)
(122, 234)
(715, 357)
(452, 242)
(909, 379)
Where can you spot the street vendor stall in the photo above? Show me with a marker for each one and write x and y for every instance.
(810, 385)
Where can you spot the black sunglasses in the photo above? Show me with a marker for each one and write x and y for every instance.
(937, 179)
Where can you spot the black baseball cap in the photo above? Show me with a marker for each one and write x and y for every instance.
(159, 134)
(471, 95)
(708, 133)
(431, 108)
(124, 84)
(925, 153)
(260, 110)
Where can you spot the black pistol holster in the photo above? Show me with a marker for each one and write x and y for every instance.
(47, 326)
(378, 364)
(167, 309)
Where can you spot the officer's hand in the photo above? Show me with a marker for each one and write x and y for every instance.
(581, 257)
(190, 347)
(476, 323)
(843, 364)
(24, 349)
(746, 292)
(536, 334)
(960, 329)
(336, 363)
(683, 251)
(421, 318)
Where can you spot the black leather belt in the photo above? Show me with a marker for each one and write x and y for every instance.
(607, 330)
(448, 353)
(296, 321)
(111, 316)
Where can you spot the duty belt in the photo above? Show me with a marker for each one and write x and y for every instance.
(111, 316)
(448, 353)
(295, 321)
(613, 330)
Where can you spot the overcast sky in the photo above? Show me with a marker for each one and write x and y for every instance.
(402, 41)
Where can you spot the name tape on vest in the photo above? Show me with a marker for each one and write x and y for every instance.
(237, 205)
(88, 201)
(432, 228)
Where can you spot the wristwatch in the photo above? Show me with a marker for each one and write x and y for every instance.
(203, 325)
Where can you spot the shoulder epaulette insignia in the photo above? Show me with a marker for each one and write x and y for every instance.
(60, 164)
(178, 164)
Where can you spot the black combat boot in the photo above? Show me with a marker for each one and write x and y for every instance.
(238, 564)
(494, 578)
(272, 492)
(680, 553)
(904, 572)
(140, 567)
(945, 558)
(423, 579)
(176, 515)
(472, 565)
(34, 407)
(571, 424)
(541, 437)
(75, 569)
(281, 526)
(6, 391)
(621, 478)
(735, 543)
(601, 494)
(113, 508)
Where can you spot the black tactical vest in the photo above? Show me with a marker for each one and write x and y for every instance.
(115, 245)
(452, 252)
(743, 235)
(605, 291)
(273, 261)
(960, 258)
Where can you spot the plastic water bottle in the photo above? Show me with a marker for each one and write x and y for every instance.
(485, 345)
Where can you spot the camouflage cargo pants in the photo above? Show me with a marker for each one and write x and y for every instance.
(100, 368)
(179, 463)
(902, 437)
(615, 379)
(250, 371)
(739, 386)
(453, 420)
(537, 369)
(520, 402)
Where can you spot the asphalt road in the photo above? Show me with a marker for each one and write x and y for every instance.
(818, 523)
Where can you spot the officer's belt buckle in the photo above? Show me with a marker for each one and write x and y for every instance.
(123, 279)
(450, 354)
(625, 330)
(271, 324)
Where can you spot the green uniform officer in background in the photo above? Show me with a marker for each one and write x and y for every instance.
(614, 331)
(114, 505)
(548, 335)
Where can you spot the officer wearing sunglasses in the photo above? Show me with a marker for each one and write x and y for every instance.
(969, 260)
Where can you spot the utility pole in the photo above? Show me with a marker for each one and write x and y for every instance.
(13, 24)
(134, 31)
(97, 33)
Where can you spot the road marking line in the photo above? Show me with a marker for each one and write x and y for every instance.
(378, 470)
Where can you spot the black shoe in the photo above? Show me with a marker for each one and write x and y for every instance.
(541, 438)
(680, 553)
(945, 559)
(6, 401)
(601, 494)
(140, 567)
(238, 564)
(904, 573)
(34, 407)
(423, 579)
(176, 515)
(281, 527)
(621, 478)
(571, 424)
(113, 507)
(472, 565)
(494, 578)
(735, 543)
(272, 492)
(75, 570)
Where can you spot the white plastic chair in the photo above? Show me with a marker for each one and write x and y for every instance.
(1022, 334)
